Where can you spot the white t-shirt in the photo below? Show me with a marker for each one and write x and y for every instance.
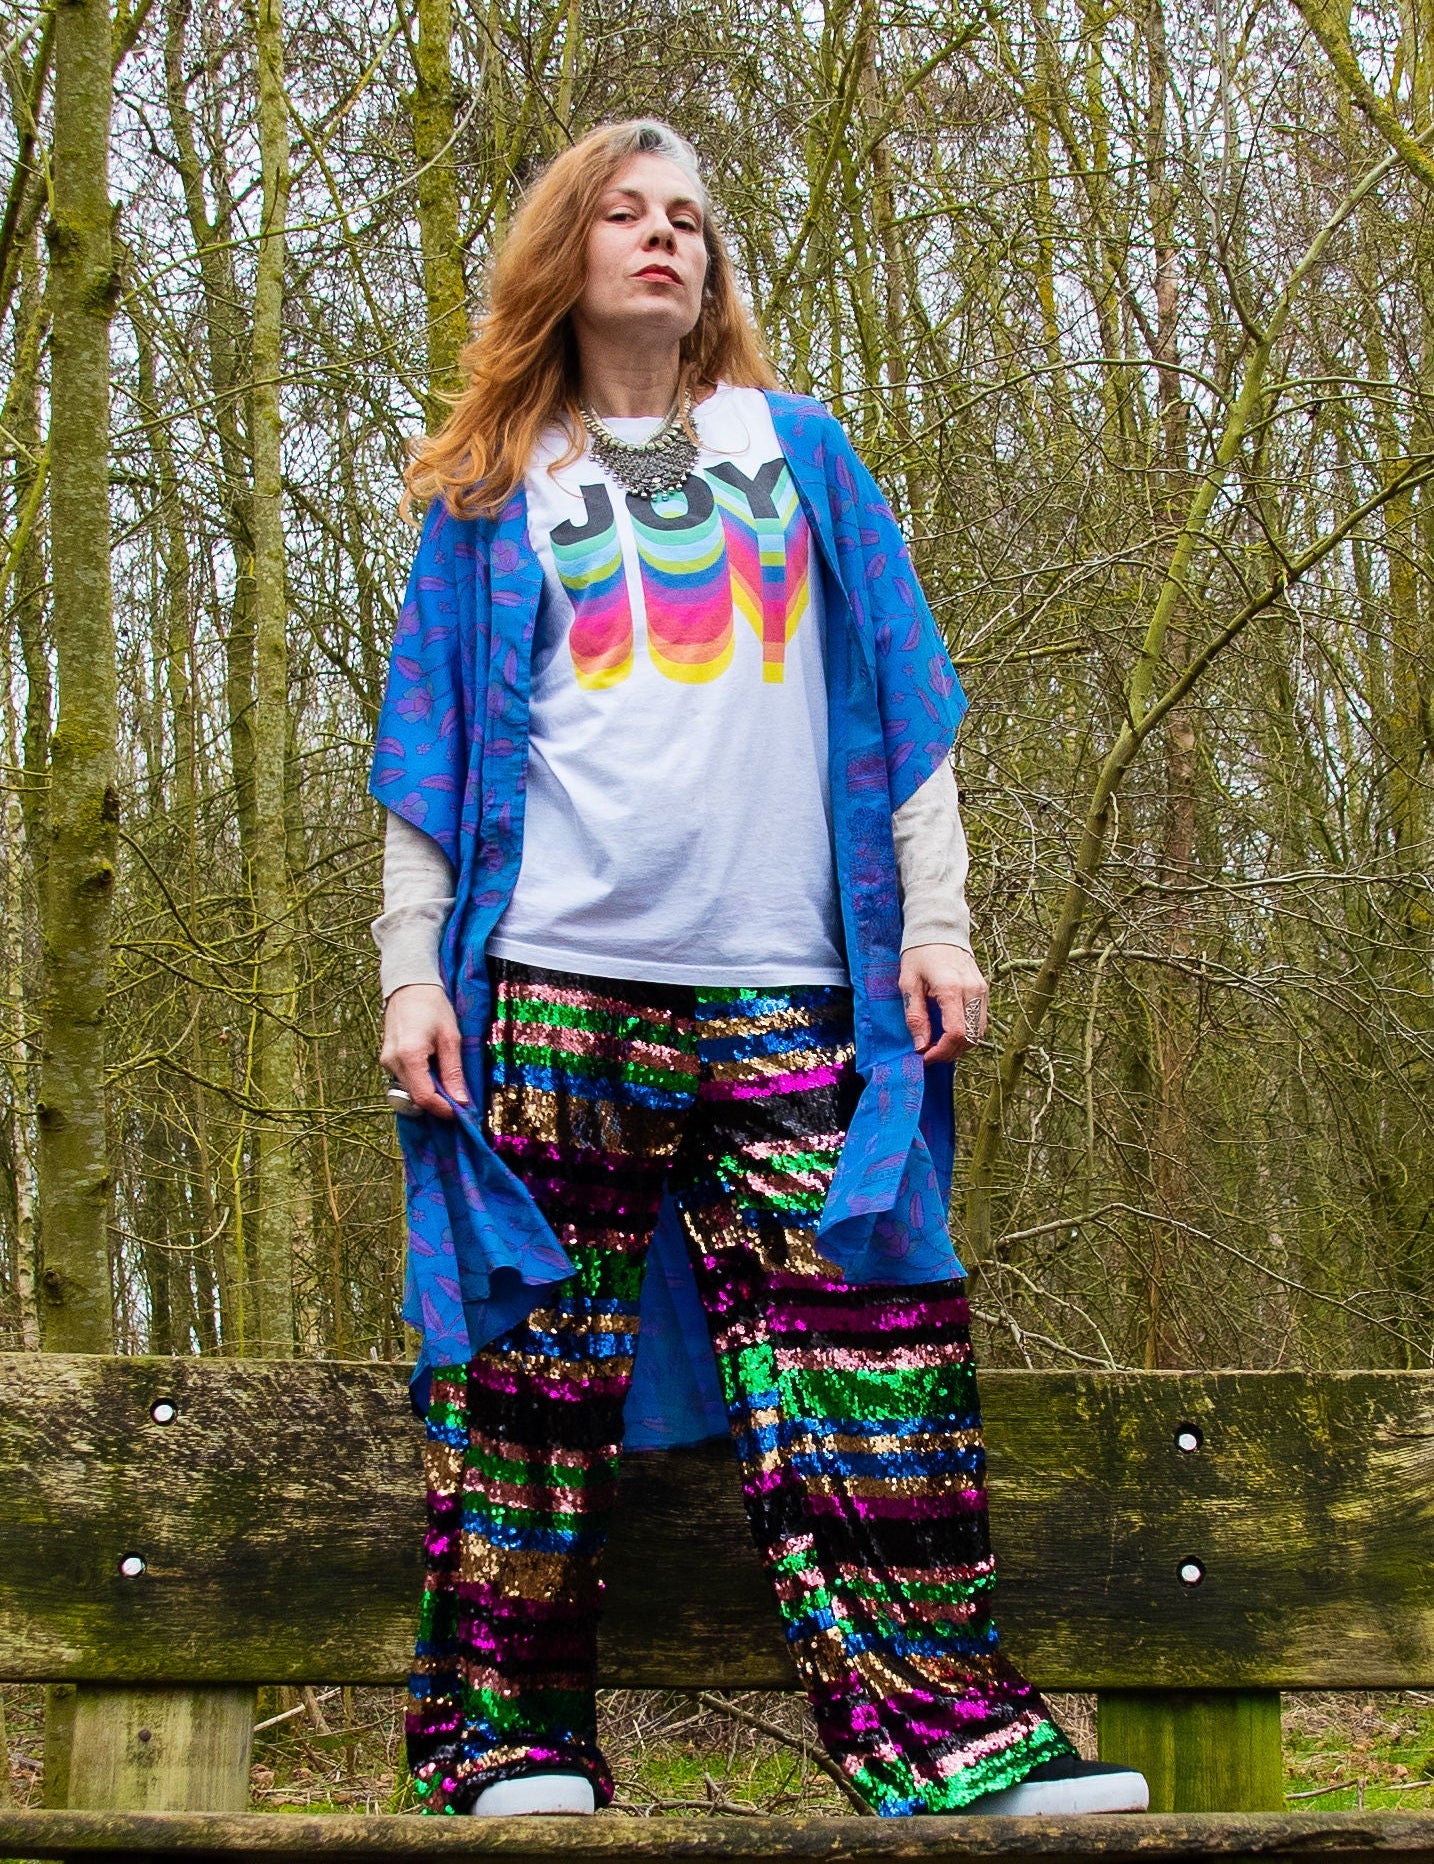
(677, 825)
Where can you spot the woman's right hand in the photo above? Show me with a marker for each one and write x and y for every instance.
(418, 1027)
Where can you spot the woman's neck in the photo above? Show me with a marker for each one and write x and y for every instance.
(629, 385)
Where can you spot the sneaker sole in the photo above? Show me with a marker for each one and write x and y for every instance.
(1056, 1799)
(552, 1793)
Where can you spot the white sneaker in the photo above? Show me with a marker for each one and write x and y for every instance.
(1058, 1788)
(535, 1792)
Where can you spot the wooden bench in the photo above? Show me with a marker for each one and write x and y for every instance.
(174, 1532)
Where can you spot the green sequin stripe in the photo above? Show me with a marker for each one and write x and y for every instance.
(633, 1026)
(880, 1782)
(493, 1466)
(528, 1713)
(533, 1055)
(480, 1514)
(877, 1590)
(603, 1275)
(437, 1617)
(824, 1159)
(870, 1624)
(877, 1397)
(918, 1591)
(819, 1598)
(734, 1168)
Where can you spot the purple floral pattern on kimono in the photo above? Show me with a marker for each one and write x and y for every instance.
(451, 758)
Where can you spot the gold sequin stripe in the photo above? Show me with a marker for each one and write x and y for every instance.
(721, 1028)
(560, 1456)
(525, 1572)
(796, 1062)
(573, 1375)
(873, 1360)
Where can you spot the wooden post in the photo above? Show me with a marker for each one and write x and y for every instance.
(1202, 1750)
(159, 1750)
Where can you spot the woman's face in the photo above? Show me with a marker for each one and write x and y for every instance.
(647, 260)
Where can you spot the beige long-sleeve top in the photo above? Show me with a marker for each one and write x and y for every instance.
(931, 868)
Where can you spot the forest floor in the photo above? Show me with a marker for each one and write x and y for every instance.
(340, 1750)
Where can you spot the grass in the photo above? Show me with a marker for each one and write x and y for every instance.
(340, 1750)
(1360, 1750)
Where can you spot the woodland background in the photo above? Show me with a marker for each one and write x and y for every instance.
(1130, 306)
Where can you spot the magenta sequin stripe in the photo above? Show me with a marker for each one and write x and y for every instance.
(853, 1410)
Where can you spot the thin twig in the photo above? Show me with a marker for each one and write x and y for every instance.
(299, 1708)
(775, 1733)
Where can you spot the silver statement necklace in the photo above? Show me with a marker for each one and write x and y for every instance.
(660, 464)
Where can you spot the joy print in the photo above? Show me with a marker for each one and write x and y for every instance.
(723, 545)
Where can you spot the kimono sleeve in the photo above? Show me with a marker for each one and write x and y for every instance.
(420, 751)
(919, 694)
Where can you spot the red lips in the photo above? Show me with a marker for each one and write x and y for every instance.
(659, 271)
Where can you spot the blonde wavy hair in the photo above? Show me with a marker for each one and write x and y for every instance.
(521, 367)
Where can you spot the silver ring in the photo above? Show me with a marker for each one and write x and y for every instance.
(973, 1022)
(401, 1101)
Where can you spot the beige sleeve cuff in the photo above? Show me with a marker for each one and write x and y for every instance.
(931, 864)
(417, 899)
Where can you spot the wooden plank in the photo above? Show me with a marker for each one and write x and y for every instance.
(278, 1519)
(1202, 1750)
(160, 1749)
(59, 1738)
(1353, 1838)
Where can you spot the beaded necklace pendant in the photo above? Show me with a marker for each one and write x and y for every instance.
(649, 467)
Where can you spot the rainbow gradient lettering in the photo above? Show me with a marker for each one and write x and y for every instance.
(723, 544)
(685, 582)
(769, 552)
(589, 564)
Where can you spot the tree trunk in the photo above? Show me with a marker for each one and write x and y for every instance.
(433, 130)
(74, 1173)
(270, 885)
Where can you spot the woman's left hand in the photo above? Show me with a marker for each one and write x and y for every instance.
(949, 977)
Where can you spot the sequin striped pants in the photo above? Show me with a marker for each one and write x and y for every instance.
(853, 1410)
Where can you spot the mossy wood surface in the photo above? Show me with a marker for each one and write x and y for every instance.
(159, 1749)
(1293, 1838)
(1202, 1750)
(279, 1519)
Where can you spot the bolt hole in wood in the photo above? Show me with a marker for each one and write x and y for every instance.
(131, 1565)
(1188, 1439)
(1192, 1571)
(164, 1411)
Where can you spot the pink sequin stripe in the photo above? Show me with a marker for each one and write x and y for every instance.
(795, 1589)
(610, 1200)
(930, 1507)
(985, 1745)
(607, 1044)
(917, 1506)
(527, 992)
(863, 1359)
(937, 1720)
(949, 1575)
(567, 1154)
(825, 1076)
(784, 1148)
(577, 1386)
(893, 1316)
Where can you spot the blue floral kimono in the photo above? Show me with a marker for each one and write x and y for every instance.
(451, 759)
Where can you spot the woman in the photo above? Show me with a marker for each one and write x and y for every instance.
(676, 963)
